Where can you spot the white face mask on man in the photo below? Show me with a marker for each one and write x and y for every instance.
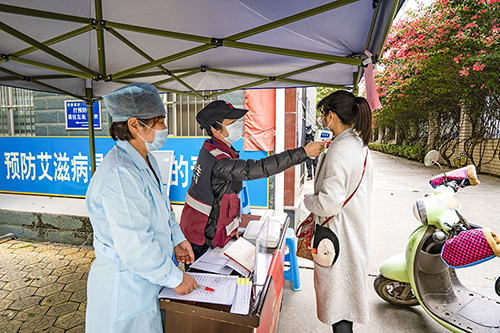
(158, 141)
(234, 130)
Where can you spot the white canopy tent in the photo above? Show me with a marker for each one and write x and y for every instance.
(87, 49)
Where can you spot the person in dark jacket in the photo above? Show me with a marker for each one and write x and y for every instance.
(312, 161)
(219, 172)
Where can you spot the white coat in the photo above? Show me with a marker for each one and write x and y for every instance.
(342, 289)
(135, 233)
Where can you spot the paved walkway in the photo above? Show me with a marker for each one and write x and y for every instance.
(43, 286)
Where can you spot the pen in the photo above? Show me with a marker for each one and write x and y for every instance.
(205, 288)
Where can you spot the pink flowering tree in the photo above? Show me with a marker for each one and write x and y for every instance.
(441, 67)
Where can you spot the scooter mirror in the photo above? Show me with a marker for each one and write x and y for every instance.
(431, 158)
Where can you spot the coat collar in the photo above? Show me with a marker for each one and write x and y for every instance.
(348, 132)
(215, 143)
(133, 153)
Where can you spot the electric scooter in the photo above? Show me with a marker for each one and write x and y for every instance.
(420, 276)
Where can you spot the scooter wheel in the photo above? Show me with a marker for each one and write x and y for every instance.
(395, 292)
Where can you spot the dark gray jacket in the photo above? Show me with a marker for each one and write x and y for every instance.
(237, 170)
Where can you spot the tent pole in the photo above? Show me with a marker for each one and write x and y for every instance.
(193, 72)
(303, 70)
(21, 77)
(160, 89)
(161, 61)
(49, 67)
(359, 73)
(282, 78)
(355, 88)
(147, 57)
(238, 88)
(392, 15)
(223, 71)
(19, 35)
(39, 77)
(101, 55)
(54, 40)
(159, 73)
(159, 32)
(372, 25)
(290, 19)
(44, 14)
(309, 83)
(291, 53)
(176, 78)
(90, 116)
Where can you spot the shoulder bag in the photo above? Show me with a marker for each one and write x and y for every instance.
(305, 230)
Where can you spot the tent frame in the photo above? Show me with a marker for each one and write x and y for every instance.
(101, 26)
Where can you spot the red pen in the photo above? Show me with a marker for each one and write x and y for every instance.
(205, 288)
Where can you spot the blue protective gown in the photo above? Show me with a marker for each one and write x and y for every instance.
(135, 233)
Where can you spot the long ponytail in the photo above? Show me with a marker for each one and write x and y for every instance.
(363, 122)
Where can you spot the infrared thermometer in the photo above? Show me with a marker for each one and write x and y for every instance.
(323, 136)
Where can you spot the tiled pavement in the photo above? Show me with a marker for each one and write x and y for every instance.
(43, 286)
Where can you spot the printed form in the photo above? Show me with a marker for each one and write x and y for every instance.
(224, 286)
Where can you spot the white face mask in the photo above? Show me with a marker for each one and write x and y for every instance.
(327, 127)
(159, 140)
(235, 131)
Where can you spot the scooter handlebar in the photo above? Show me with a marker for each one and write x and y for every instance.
(457, 178)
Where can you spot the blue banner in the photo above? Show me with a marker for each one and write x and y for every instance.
(60, 166)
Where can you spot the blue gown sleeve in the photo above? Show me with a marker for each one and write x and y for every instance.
(129, 214)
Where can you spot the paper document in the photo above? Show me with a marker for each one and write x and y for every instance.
(238, 268)
(224, 286)
(214, 261)
(241, 303)
(243, 252)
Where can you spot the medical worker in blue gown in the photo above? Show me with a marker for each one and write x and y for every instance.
(136, 237)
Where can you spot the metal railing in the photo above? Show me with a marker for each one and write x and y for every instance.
(181, 113)
(16, 112)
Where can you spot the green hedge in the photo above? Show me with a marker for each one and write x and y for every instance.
(409, 152)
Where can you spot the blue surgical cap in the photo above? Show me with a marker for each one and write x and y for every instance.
(138, 100)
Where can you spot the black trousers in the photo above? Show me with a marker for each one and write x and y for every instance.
(311, 166)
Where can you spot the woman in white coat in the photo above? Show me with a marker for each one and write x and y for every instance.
(136, 237)
(341, 289)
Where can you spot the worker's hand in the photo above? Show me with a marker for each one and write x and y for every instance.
(184, 252)
(187, 285)
(313, 149)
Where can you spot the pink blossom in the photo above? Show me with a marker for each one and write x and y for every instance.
(477, 67)
(464, 72)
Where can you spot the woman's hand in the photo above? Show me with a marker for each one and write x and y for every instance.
(184, 252)
(313, 149)
(187, 285)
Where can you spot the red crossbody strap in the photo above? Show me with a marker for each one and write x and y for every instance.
(362, 175)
